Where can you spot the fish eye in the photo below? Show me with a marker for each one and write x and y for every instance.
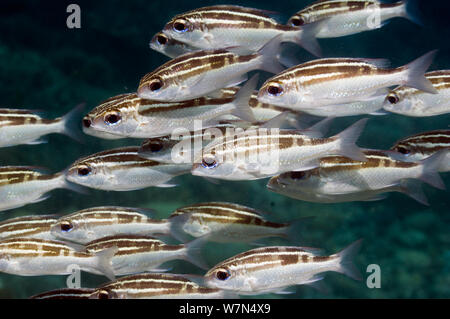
(103, 294)
(403, 150)
(87, 123)
(393, 98)
(113, 118)
(155, 146)
(275, 89)
(298, 175)
(66, 226)
(155, 85)
(84, 171)
(162, 39)
(180, 25)
(223, 274)
(209, 162)
(297, 21)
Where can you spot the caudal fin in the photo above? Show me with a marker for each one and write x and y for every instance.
(345, 261)
(412, 12)
(104, 265)
(270, 56)
(241, 102)
(431, 168)
(348, 138)
(306, 37)
(70, 123)
(194, 252)
(415, 73)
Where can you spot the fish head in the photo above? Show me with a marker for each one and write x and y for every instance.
(280, 92)
(71, 229)
(298, 180)
(188, 29)
(211, 165)
(5, 260)
(168, 46)
(88, 173)
(225, 277)
(398, 100)
(162, 88)
(300, 19)
(158, 149)
(118, 116)
(105, 293)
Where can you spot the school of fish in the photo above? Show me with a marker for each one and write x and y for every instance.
(201, 114)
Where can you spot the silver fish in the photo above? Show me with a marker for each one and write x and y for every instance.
(200, 73)
(123, 170)
(94, 223)
(341, 18)
(244, 29)
(130, 116)
(137, 254)
(272, 269)
(423, 145)
(416, 103)
(256, 154)
(23, 185)
(382, 172)
(38, 257)
(157, 286)
(19, 126)
(342, 80)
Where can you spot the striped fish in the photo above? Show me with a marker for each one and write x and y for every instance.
(245, 29)
(342, 80)
(130, 116)
(200, 73)
(226, 222)
(170, 47)
(94, 223)
(157, 286)
(37, 226)
(423, 145)
(22, 185)
(66, 293)
(122, 169)
(338, 177)
(137, 254)
(341, 18)
(256, 153)
(38, 257)
(18, 126)
(272, 269)
(412, 102)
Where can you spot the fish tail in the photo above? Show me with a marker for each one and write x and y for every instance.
(348, 138)
(104, 265)
(415, 73)
(270, 56)
(194, 252)
(345, 263)
(307, 38)
(431, 168)
(411, 11)
(70, 123)
(413, 189)
(64, 183)
(241, 102)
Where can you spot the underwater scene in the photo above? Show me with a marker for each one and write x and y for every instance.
(344, 104)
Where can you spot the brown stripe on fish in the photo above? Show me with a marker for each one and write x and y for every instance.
(131, 244)
(67, 293)
(425, 143)
(26, 226)
(22, 117)
(116, 103)
(225, 213)
(28, 247)
(18, 174)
